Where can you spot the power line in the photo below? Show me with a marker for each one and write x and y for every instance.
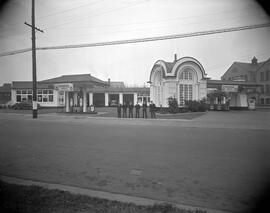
(83, 18)
(158, 21)
(60, 12)
(68, 10)
(140, 40)
(157, 38)
(143, 29)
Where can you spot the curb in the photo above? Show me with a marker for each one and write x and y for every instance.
(103, 194)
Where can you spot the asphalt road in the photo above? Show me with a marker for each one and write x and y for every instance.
(219, 160)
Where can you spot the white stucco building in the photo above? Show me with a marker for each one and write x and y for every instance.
(184, 79)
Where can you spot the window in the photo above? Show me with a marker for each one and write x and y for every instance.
(186, 75)
(23, 95)
(253, 76)
(45, 95)
(267, 88)
(267, 75)
(42, 95)
(262, 89)
(267, 100)
(262, 76)
(185, 93)
(50, 96)
(262, 100)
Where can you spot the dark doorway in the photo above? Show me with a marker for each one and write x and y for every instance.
(113, 99)
(99, 99)
(128, 98)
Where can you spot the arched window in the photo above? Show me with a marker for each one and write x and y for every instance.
(186, 86)
(158, 78)
(158, 88)
(186, 75)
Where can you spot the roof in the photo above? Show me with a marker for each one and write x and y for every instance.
(117, 84)
(169, 66)
(4, 101)
(29, 85)
(5, 88)
(244, 83)
(264, 63)
(246, 67)
(123, 89)
(74, 78)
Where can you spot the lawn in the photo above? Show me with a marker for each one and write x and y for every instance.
(24, 199)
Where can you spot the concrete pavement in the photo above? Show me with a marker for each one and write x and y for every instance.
(217, 161)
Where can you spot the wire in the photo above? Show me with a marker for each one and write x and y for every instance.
(83, 18)
(68, 10)
(140, 40)
(158, 38)
(157, 21)
(148, 28)
(59, 12)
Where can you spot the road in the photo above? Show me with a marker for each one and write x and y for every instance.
(220, 160)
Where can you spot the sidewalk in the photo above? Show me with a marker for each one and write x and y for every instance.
(212, 119)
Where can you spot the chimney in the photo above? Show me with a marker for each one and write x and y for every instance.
(254, 60)
(175, 57)
(109, 80)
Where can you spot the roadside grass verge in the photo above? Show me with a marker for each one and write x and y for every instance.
(28, 199)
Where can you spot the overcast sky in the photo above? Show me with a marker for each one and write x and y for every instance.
(88, 21)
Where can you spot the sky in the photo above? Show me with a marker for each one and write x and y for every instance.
(89, 21)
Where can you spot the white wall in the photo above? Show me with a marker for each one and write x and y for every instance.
(13, 96)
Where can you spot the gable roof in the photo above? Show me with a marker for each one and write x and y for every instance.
(117, 84)
(169, 66)
(29, 85)
(74, 78)
(5, 88)
(264, 64)
(246, 67)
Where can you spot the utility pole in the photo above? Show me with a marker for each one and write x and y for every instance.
(34, 67)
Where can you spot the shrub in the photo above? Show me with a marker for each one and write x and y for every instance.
(196, 106)
(173, 105)
(203, 105)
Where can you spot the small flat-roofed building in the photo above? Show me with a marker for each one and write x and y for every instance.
(78, 91)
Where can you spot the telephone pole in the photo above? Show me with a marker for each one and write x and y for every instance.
(34, 66)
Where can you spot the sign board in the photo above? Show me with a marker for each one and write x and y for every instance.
(229, 88)
(34, 105)
(64, 87)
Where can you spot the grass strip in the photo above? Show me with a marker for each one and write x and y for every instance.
(28, 199)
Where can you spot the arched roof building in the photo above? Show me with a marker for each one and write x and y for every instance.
(184, 79)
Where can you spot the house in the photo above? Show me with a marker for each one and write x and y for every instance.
(256, 72)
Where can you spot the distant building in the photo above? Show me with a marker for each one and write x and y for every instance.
(5, 94)
(79, 91)
(183, 79)
(254, 72)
